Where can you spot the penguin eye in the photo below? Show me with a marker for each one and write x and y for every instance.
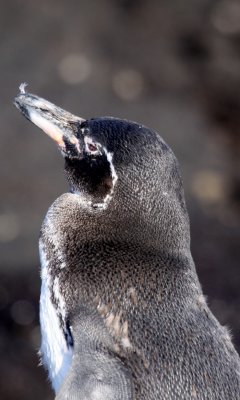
(92, 147)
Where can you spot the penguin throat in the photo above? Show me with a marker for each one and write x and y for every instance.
(99, 195)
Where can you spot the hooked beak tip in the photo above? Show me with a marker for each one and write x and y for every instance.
(54, 121)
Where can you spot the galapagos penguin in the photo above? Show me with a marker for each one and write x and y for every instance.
(122, 312)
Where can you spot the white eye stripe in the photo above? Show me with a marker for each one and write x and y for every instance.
(114, 176)
(106, 200)
(89, 142)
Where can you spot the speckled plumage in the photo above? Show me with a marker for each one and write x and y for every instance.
(134, 313)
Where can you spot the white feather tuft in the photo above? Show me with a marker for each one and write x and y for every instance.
(22, 87)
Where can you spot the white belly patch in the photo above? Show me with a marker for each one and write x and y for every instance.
(56, 355)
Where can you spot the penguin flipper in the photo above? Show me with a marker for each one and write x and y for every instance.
(96, 371)
(96, 376)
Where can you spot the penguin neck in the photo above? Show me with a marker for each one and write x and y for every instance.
(130, 264)
(134, 254)
(109, 233)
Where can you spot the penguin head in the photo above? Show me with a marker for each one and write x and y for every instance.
(126, 176)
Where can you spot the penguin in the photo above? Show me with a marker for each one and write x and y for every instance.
(122, 312)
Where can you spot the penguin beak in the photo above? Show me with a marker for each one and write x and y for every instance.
(57, 123)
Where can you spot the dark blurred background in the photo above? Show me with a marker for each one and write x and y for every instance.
(173, 65)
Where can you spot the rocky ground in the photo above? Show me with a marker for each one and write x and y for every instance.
(171, 65)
